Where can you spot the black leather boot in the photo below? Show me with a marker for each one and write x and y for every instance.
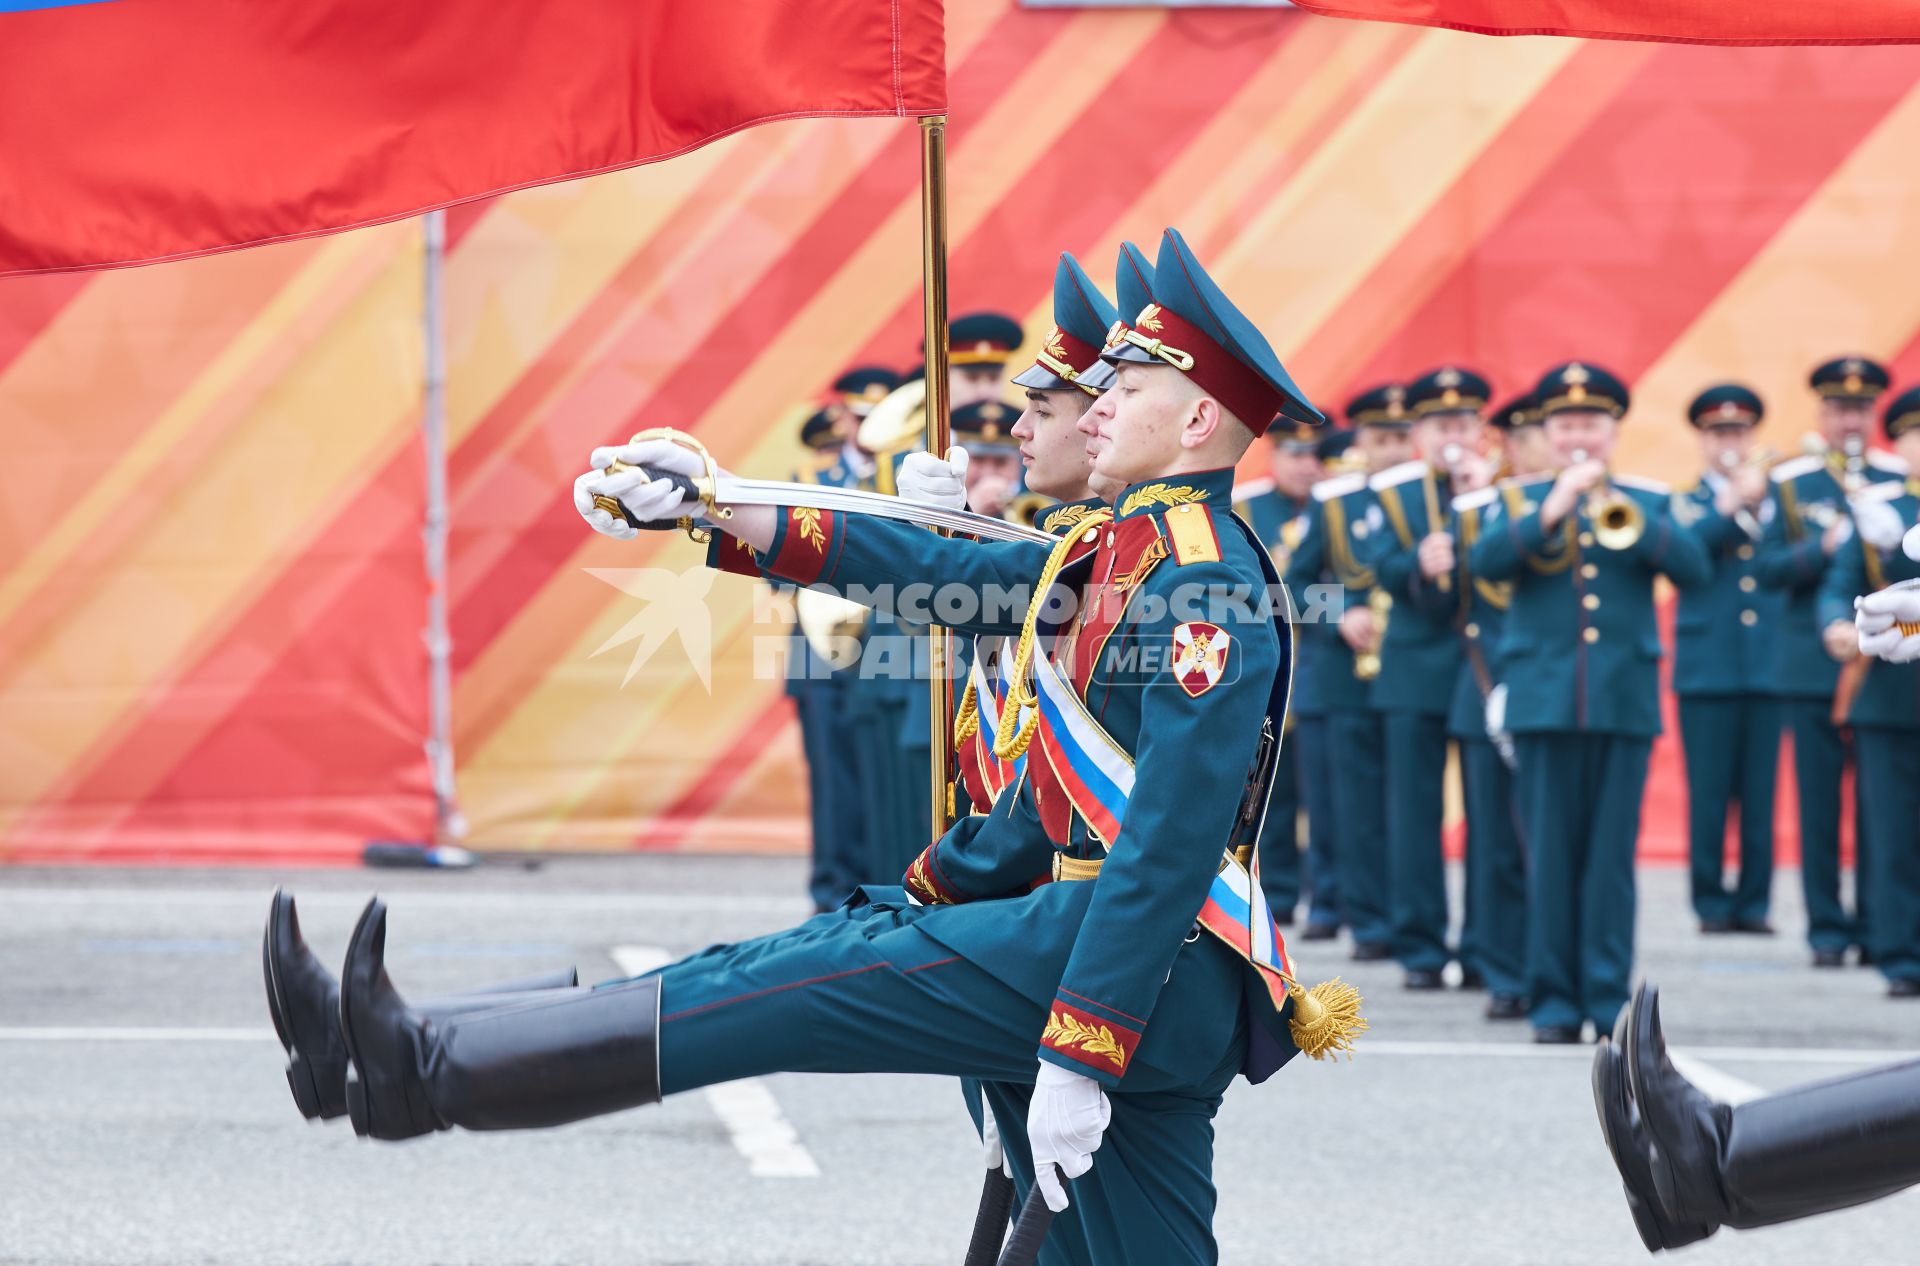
(528, 1064)
(1626, 1139)
(304, 1000)
(1810, 1150)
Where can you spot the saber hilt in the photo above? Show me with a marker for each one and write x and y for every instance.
(1030, 1232)
(618, 508)
(700, 489)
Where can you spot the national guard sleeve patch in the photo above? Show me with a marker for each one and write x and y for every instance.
(1200, 656)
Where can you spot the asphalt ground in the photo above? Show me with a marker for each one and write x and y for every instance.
(144, 1117)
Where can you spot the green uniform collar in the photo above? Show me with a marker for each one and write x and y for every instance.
(1067, 515)
(1212, 487)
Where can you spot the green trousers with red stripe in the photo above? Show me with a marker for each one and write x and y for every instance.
(864, 989)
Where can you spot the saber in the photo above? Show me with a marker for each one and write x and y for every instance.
(990, 1220)
(726, 490)
(1030, 1232)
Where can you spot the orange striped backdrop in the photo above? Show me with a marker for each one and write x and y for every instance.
(211, 591)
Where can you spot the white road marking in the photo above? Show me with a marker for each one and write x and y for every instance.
(256, 899)
(760, 1131)
(758, 1128)
(98, 1033)
(638, 960)
(1711, 1081)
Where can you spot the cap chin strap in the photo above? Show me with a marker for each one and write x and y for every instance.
(1182, 361)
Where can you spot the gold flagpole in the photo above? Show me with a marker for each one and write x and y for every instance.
(933, 242)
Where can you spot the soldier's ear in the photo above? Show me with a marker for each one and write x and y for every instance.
(1204, 419)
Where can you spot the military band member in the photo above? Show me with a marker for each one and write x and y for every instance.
(1493, 925)
(1805, 523)
(1884, 710)
(1323, 669)
(1413, 560)
(980, 346)
(1276, 509)
(1096, 993)
(839, 791)
(1346, 631)
(1581, 654)
(892, 693)
(1524, 447)
(1723, 667)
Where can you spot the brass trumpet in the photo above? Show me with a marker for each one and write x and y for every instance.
(1618, 522)
(1025, 509)
(1366, 664)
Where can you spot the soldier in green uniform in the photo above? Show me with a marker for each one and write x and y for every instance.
(1276, 509)
(1493, 925)
(1581, 656)
(1805, 522)
(1321, 669)
(892, 693)
(1723, 668)
(819, 688)
(1885, 709)
(1123, 993)
(1413, 560)
(1345, 656)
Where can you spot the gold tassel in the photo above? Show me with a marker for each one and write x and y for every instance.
(1326, 1018)
(966, 720)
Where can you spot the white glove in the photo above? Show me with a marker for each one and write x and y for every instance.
(934, 482)
(1911, 545)
(649, 501)
(1876, 615)
(1879, 523)
(995, 1153)
(1496, 709)
(1065, 1122)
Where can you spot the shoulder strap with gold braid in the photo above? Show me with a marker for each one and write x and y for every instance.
(1010, 742)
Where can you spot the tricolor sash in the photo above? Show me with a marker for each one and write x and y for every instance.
(989, 695)
(1097, 775)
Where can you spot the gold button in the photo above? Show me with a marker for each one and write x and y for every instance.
(1589, 570)
(1749, 617)
(1182, 509)
(1591, 602)
(1745, 551)
(1472, 630)
(1591, 634)
(1748, 584)
(1586, 540)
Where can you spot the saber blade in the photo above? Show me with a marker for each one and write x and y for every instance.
(773, 492)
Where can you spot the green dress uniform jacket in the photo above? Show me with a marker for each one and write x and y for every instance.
(1278, 521)
(1809, 494)
(1327, 573)
(1419, 663)
(1580, 656)
(1493, 925)
(1885, 717)
(1723, 675)
(838, 787)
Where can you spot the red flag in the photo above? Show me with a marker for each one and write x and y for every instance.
(140, 130)
(1668, 21)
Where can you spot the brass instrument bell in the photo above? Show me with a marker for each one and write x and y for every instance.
(1618, 522)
